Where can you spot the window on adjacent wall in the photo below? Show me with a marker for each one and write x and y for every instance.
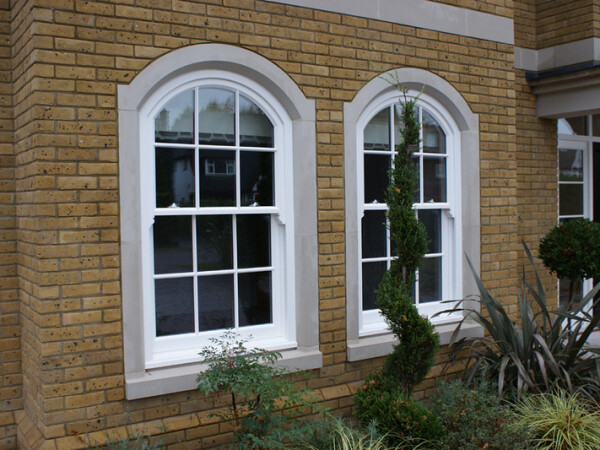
(435, 205)
(578, 173)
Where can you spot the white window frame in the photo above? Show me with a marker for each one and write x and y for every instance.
(149, 369)
(371, 322)
(368, 335)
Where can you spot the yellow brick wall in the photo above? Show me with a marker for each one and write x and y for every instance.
(559, 22)
(10, 372)
(497, 7)
(68, 58)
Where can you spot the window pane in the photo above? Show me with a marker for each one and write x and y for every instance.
(576, 125)
(174, 300)
(377, 132)
(217, 178)
(434, 179)
(216, 117)
(564, 291)
(214, 242)
(255, 298)
(376, 177)
(175, 179)
(430, 280)
(215, 302)
(374, 237)
(254, 240)
(596, 125)
(372, 272)
(175, 122)
(256, 130)
(256, 178)
(570, 165)
(571, 199)
(432, 219)
(434, 139)
(173, 244)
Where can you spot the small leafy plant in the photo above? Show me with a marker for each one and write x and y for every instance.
(560, 420)
(265, 408)
(473, 418)
(538, 351)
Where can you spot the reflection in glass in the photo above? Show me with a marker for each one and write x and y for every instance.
(256, 180)
(216, 117)
(175, 122)
(434, 138)
(214, 242)
(175, 179)
(174, 300)
(571, 199)
(570, 165)
(564, 291)
(254, 240)
(432, 219)
(372, 272)
(215, 302)
(575, 125)
(434, 179)
(376, 177)
(254, 298)
(430, 280)
(256, 130)
(377, 132)
(217, 177)
(374, 237)
(173, 244)
(596, 125)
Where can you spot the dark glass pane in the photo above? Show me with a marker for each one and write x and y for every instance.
(217, 178)
(570, 199)
(434, 138)
(417, 194)
(173, 244)
(596, 125)
(398, 124)
(254, 240)
(564, 291)
(432, 219)
(372, 272)
(174, 300)
(215, 302)
(377, 132)
(214, 241)
(256, 130)
(570, 165)
(216, 117)
(376, 177)
(430, 280)
(434, 179)
(374, 237)
(175, 179)
(175, 122)
(578, 125)
(256, 180)
(255, 298)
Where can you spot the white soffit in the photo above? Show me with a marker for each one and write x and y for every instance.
(420, 14)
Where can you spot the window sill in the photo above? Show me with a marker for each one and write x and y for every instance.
(168, 380)
(368, 347)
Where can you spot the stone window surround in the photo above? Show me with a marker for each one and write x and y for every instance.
(140, 382)
(468, 127)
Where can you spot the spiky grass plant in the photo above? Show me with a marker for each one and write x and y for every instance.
(342, 436)
(538, 351)
(560, 420)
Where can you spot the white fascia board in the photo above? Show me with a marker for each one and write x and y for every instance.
(421, 14)
(570, 54)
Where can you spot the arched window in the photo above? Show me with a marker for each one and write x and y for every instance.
(214, 159)
(448, 165)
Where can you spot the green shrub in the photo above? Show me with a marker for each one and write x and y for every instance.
(538, 351)
(407, 423)
(336, 434)
(266, 408)
(473, 418)
(560, 420)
